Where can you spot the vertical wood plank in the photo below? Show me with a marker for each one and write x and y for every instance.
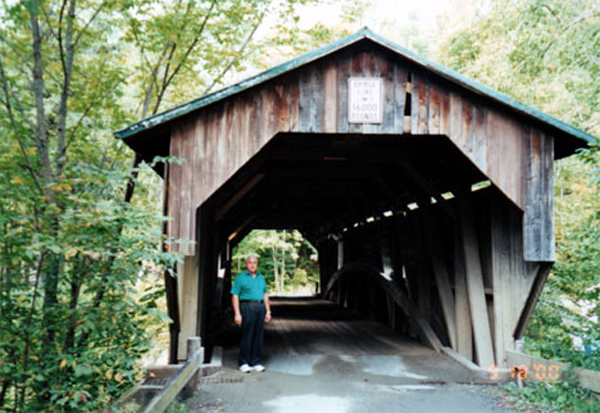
(294, 100)
(175, 185)
(256, 123)
(235, 143)
(221, 161)
(539, 199)
(386, 71)
(434, 109)
(186, 183)
(197, 168)
(464, 329)
(229, 162)
(269, 113)
(455, 121)
(357, 67)
(168, 203)
(479, 137)
(203, 176)
(211, 152)
(467, 129)
(479, 314)
(311, 100)
(316, 99)
(548, 234)
(187, 281)
(400, 79)
(534, 203)
(245, 134)
(371, 69)
(442, 279)
(282, 107)
(330, 99)
(343, 75)
(189, 182)
(501, 276)
(419, 105)
(444, 112)
(505, 155)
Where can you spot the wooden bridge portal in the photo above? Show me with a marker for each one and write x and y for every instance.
(428, 196)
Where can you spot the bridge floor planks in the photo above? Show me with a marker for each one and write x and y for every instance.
(304, 326)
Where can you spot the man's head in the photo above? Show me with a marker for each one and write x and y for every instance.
(251, 263)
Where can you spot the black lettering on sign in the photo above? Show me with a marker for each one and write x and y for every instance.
(365, 100)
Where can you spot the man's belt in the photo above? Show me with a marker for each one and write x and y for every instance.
(252, 301)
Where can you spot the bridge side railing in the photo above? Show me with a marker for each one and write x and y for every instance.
(185, 379)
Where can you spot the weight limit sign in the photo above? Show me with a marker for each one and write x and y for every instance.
(365, 99)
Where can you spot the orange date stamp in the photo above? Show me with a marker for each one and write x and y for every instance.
(537, 371)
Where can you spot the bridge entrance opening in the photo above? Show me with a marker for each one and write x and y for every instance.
(383, 215)
(287, 260)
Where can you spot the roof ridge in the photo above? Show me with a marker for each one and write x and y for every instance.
(363, 33)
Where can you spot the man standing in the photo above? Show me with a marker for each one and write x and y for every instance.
(251, 309)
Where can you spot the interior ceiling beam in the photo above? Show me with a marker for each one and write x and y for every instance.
(328, 183)
(241, 227)
(340, 209)
(432, 190)
(362, 156)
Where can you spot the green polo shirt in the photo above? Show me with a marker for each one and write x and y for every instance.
(247, 287)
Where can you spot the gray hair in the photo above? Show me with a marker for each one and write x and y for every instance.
(251, 255)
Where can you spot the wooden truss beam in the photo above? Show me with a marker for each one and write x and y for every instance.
(390, 286)
(479, 313)
(442, 279)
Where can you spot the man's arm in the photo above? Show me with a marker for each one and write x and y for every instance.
(235, 302)
(267, 307)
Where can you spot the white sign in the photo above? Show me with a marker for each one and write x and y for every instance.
(365, 99)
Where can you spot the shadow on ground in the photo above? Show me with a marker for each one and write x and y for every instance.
(323, 359)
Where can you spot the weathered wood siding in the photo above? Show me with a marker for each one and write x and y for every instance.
(513, 277)
(517, 157)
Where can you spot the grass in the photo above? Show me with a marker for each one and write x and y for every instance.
(562, 396)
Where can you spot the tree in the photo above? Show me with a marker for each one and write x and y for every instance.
(75, 242)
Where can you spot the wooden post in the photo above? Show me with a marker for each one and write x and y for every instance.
(464, 330)
(340, 252)
(442, 278)
(479, 312)
(188, 302)
(193, 345)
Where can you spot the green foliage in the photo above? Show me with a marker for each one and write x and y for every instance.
(286, 259)
(542, 52)
(102, 249)
(177, 407)
(560, 396)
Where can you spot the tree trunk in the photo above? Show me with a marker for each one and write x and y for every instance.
(283, 262)
(275, 270)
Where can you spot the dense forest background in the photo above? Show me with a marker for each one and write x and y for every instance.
(81, 262)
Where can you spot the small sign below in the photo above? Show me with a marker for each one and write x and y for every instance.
(365, 99)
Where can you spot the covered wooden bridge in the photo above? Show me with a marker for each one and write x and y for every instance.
(428, 196)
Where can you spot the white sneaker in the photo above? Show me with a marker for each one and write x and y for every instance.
(244, 368)
(258, 367)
